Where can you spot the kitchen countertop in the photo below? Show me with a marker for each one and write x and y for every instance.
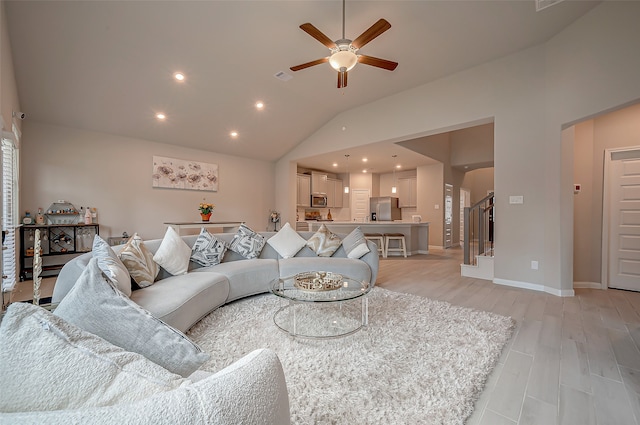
(416, 234)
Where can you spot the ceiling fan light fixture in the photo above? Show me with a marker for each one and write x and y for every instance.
(343, 60)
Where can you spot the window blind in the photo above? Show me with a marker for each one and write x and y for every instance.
(10, 218)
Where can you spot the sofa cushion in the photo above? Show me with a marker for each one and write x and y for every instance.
(173, 254)
(139, 261)
(181, 301)
(247, 242)
(97, 307)
(355, 244)
(208, 250)
(324, 242)
(287, 242)
(353, 268)
(111, 265)
(48, 364)
(246, 277)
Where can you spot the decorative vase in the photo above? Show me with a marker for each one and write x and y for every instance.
(205, 217)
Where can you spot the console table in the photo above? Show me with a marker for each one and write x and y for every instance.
(227, 226)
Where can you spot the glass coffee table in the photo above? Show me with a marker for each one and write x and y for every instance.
(321, 305)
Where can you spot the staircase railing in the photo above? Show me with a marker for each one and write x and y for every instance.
(478, 229)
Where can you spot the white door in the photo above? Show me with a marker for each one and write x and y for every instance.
(448, 215)
(360, 204)
(465, 201)
(624, 221)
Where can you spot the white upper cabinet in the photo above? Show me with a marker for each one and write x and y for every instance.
(304, 190)
(407, 192)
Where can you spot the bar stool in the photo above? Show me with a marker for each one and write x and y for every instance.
(402, 246)
(378, 239)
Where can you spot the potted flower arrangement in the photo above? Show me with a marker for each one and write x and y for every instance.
(205, 210)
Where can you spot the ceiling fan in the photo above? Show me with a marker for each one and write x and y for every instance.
(344, 52)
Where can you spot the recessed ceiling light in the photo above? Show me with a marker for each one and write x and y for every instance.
(259, 105)
(160, 116)
(398, 166)
(364, 171)
(179, 76)
(335, 164)
(234, 134)
(364, 159)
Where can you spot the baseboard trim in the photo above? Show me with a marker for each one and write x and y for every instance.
(535, 287)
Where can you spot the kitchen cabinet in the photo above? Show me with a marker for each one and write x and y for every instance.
(59, 243)
(304, 190)
(334, 193)
(407, 192)
(319, 182)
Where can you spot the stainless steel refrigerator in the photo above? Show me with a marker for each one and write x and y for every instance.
(384, 208)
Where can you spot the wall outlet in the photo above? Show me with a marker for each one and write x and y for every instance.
(534, 265)
(437, 206)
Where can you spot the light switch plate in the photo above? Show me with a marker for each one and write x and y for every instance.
(516, 199)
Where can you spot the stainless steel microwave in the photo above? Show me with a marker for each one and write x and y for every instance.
(319, 200)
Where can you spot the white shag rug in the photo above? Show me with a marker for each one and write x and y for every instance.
(418, 362)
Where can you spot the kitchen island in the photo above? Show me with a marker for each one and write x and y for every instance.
(416, 234)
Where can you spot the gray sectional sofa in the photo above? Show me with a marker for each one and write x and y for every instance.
(181, 301)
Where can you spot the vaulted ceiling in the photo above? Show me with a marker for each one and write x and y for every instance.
(108, 66)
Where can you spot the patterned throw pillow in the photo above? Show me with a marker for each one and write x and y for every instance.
(247, 242)
(111, 265)
(287, 242)
(139, 261)
(324, 242)
(208, 250)
(355, 245)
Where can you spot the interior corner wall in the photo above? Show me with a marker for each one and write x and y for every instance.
(113, 174)
(430, 196)
(586, 246)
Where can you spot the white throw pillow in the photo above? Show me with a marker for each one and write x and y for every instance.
(208, 250)
(173, 254)
(324, 242)
(95, 306)
(48, 364)
(247, 242)
(111, 265)
(139, 261)
(355, 245)
(287, 242)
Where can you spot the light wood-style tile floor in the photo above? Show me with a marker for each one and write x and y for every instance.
(571, 361)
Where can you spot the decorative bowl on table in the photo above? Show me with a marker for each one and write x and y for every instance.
(317, 281)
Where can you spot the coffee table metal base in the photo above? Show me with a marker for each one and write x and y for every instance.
(322, 320)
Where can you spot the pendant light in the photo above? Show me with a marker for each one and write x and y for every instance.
(346, 188)
(394, 188)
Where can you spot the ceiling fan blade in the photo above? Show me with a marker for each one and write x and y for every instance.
(342, 79)
(377, 62)
(309, 64)
(375, 30)
(318, 35)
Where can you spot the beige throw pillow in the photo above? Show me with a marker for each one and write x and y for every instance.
(324, 242)
(139, 261)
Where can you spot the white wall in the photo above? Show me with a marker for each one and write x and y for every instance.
(590, 67)
(9, 101)
(114, 174)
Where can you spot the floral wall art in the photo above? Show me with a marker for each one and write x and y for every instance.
(183, 174)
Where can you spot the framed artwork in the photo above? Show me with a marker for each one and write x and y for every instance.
(175, 173)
